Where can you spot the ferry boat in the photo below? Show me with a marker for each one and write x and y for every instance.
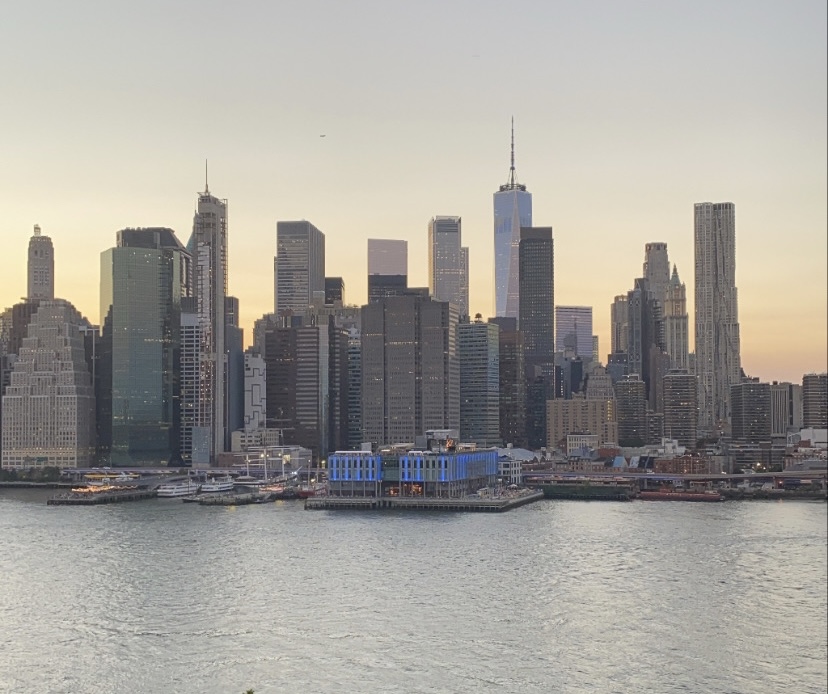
(217, 484)
(186, 487)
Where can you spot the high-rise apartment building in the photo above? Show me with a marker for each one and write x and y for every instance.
(537, 323)
(751, 403)
(718, 361)
(410, 372)
(49, 406)
(447, 263)
(631, 399)
(815, 401)
(143, 281)
(299, 267)
(573, 330)
(581, 416)
(209, 251)
(41, 267)
(479, 356)
(785, 408)
(255, 390)
(681, 412)
(512, 210)
(676, 339)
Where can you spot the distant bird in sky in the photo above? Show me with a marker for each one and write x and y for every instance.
(321, 136)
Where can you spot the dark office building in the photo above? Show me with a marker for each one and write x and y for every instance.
(512, 383)
(143, 282)
(537, 323)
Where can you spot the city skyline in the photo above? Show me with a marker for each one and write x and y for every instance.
(602, 162)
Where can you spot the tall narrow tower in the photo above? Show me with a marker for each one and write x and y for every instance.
(512, 210)
(447, 261)
(657, 270)
(41, 275)
(208, 247)
(718, 363)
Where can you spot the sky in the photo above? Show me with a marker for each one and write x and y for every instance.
(626, 114)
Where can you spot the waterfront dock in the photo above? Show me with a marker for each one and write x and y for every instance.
(113, 496)
(494, 504)
(234, 499)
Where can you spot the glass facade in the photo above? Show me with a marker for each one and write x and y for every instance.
(143, 282)
(512, 210)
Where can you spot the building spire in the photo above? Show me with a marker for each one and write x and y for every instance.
(511, 183)
(512, 167)
(206, 185)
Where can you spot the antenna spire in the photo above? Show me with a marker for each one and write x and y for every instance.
(512, 167)
(206, 185)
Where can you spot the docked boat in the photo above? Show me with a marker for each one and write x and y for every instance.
(186, 487)
(249, 482)
(217, 484)
(309, 490)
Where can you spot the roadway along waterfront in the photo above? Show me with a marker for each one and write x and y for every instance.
(558, 596)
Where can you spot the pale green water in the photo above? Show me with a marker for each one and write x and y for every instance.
(160, 596)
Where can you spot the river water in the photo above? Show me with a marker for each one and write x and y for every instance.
(160, 596)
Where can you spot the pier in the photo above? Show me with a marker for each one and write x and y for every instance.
(114, 496)
(393, 503)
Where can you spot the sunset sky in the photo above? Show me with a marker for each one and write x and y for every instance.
(626, 114)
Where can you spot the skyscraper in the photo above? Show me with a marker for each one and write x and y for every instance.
(573, 330)
(512, 386)
(718, 362)
(387, 257)
(681, 413)
(410, 370)
(677, 342)
(479, 353)
(785, 408)
(537, 323)
(619, 324)
(299, 266)
(49, 406)
(657, 269)
(208, 248)
(815, 400)
(143, 280)
(645, 346)
(512, 210)
(751, 402)
(41, 267)
(630, 395)
(447, 262)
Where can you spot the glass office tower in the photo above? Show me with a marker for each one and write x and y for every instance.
(512, 210)
(143, 280)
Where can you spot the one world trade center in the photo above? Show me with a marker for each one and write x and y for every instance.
(512, 210)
